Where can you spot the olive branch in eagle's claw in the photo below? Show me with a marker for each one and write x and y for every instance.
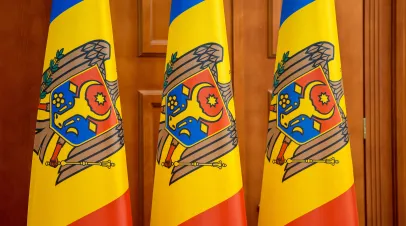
(108, 164)
(331, 161)
(218, 164)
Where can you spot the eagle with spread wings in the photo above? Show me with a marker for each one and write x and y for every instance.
(191, 134)
(98, 147)
(315, 150)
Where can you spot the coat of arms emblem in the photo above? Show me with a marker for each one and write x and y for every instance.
(305, 111)
(78, 107)
(197, 122)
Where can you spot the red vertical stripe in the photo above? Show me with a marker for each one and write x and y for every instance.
(341, 211)
(117, 213)
(228, 213)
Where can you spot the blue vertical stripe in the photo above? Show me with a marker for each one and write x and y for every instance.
(289, 7)
(180, 6)
(60, 6)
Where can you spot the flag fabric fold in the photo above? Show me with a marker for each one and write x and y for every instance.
(79, 171)
(308, 173)
(197, 172)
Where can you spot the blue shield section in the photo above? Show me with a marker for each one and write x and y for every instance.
(304, 122)
(188, 129)
(76, 129)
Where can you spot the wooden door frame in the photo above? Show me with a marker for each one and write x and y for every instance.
(385, 101)
(378, 111)
(399, 103)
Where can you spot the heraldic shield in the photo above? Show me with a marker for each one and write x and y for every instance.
(305, 110)
(195, 109)
(82, 108)
(197, 124)
(79, 106)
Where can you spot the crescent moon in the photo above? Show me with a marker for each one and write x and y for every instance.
(298, 129)
(310, 86)
(72, 130)
(198, 88)
(86, 86)
(185, 131)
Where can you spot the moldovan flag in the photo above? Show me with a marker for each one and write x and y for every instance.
(79, 171)
(308, 173)
(197, 170)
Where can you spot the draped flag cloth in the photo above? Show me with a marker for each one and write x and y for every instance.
(308, 173)
(197, 172)
(79, 171)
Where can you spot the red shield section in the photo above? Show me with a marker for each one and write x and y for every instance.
(322, 99)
